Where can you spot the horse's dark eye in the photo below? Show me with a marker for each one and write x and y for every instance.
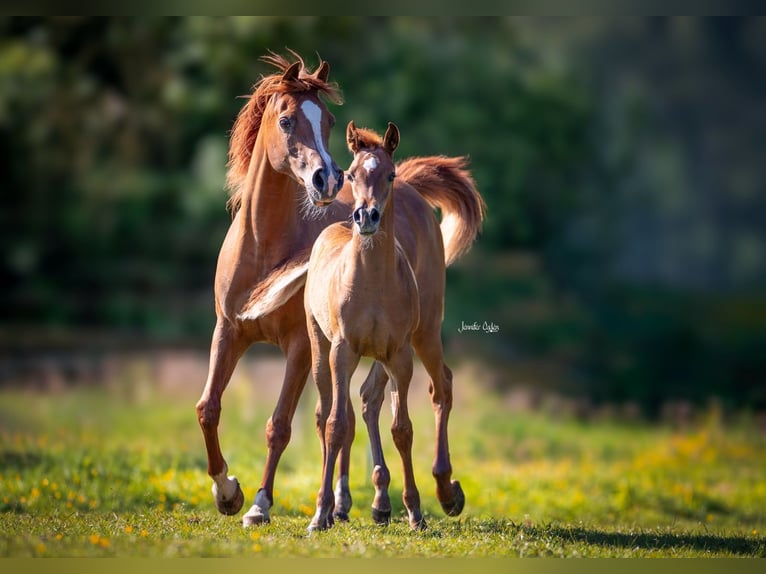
(284, 123)
(392, 176)
(349, 176)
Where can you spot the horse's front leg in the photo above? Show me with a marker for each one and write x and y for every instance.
(343, 362)
(342, 491)
(226, 348)
(278, 428)
(320, 370)
(372, 391)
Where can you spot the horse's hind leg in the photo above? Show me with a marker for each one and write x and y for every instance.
(226, 348)
(428, 347)
(373, 391)
(401, 429)
(278, 428)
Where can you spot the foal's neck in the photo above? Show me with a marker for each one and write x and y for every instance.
(376, 255)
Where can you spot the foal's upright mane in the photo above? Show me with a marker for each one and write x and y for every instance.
(248, 122)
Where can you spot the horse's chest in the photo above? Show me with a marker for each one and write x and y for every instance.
(371, 332)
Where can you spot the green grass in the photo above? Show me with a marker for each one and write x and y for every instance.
(116, 472)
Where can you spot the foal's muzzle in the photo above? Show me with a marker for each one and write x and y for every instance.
(367, 220)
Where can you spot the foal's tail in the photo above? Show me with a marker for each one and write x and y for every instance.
(445, 183)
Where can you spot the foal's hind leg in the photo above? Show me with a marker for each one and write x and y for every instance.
(373, 391)
(428, 346)
(226, 348)
(400, 370)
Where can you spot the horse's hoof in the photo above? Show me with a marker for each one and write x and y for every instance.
(230, 506)
(255, 517)
(454, 506)
(321, 524)
(382, 517)
(322, 519)
(341, 516)
(418, 523)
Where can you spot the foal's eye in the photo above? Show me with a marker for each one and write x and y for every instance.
(349, 176)
(284, 123)
(391, 176)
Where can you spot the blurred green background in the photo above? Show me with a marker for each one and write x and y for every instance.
(622, 162)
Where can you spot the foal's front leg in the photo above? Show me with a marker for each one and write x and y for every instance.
(343, 362)
(320, 370)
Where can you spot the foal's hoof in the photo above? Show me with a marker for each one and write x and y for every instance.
(230, 506)
(321, 522)
(340, 516)
(382, 517)
(417, 522)
(454, 506)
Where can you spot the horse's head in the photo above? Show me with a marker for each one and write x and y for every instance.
(371, 174)
(297, 128)
(286, 115)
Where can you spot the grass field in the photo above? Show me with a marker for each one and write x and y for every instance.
(120, 471)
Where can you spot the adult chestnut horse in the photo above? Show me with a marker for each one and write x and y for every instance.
(283, 183)
(362, 299)
(278, 167)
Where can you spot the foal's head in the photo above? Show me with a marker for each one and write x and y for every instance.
(286, 112)
(371, 174)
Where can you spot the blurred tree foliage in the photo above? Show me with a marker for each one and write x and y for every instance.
(621, 161)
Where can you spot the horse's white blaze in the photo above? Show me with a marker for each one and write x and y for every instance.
(370, 163)
(313, 114)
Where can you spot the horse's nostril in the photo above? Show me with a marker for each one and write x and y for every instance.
(374, 215)
(358, 215)
(318, 180)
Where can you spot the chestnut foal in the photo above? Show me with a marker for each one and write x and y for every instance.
(361, 299)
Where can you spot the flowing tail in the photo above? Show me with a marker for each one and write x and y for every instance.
(445, 183)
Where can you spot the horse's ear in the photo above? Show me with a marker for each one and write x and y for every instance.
(352, 137)
(291, 74)
(391, 139)
(323, 72)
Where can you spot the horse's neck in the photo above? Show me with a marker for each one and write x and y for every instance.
(269, 212)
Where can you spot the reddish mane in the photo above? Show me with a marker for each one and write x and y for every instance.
(248, 122)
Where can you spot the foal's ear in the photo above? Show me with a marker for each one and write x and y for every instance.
(291, 73)
(391, 139)
(323, 72)
(352, 137)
